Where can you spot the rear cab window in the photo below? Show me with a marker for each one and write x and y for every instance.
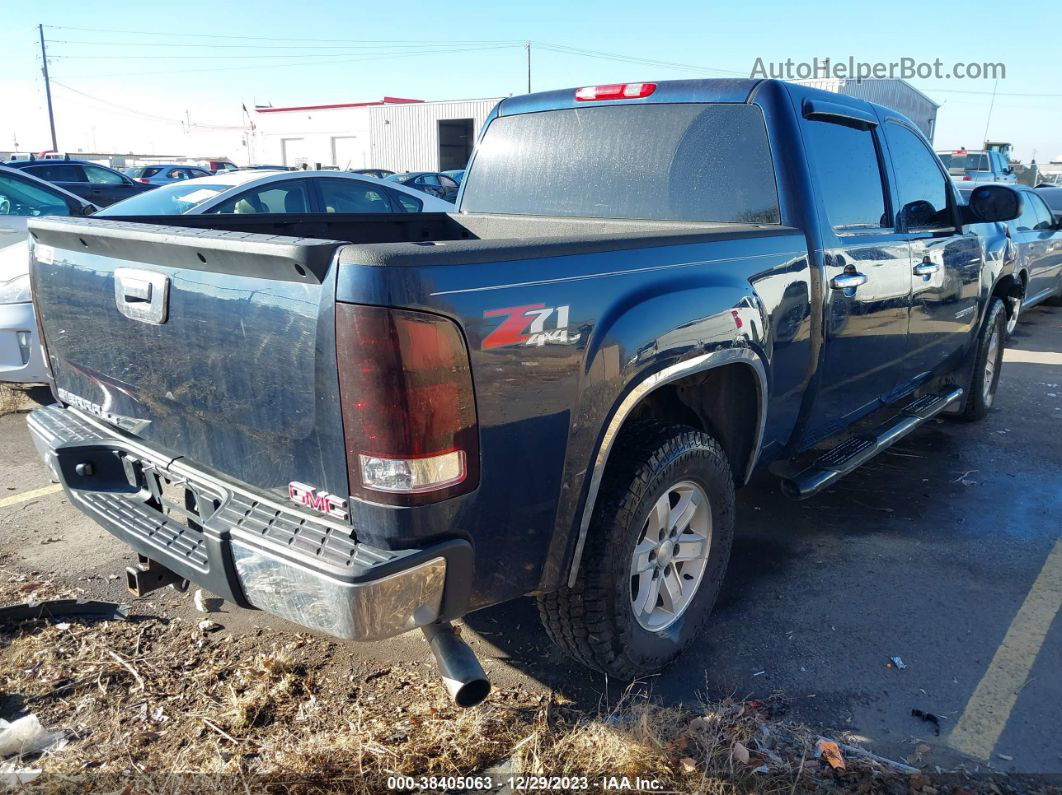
(667, 162)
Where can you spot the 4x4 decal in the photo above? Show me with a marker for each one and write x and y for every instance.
(527, 325)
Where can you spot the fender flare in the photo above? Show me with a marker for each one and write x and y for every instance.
(698, 364)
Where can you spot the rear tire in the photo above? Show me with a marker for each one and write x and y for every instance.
(987, 363)
(666, 486)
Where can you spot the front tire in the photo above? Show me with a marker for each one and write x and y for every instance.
(655, 554)
(987, 364)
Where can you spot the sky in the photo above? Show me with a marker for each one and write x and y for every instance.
(156, 77)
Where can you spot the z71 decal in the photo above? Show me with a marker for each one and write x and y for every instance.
(534, 324)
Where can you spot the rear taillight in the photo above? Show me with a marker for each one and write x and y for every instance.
(616, 91)
(967, 178)
(144, 180)
(409, 412)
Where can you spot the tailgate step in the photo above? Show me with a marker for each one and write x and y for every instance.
(801, 479)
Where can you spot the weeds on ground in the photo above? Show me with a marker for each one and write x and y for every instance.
(157, 705)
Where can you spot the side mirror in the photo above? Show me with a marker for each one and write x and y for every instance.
(992, 203)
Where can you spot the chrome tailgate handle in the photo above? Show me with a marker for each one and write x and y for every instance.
(142, 295)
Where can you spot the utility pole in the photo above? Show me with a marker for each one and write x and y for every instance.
(48, 88)
(528, 48)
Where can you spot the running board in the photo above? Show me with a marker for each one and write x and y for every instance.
(856, 450)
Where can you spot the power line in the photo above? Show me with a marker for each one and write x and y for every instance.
(141, 114)
(276, 38)
(314, 63)
(366, 45)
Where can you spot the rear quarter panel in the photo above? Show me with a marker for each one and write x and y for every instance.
(544, 402)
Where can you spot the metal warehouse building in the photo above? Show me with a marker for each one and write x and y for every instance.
(392, 133)
(896, 94)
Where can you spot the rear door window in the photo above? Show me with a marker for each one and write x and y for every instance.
(276, 197)
(923, 189)
(353, 196)
(408, 203)
(58, 172)
(845, 161)
(680, 162)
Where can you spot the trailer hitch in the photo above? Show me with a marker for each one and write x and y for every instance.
(148, 576)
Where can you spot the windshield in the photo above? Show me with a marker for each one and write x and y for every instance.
(172, 199)
(680, 162)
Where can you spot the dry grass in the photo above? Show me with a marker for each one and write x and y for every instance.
(153, 705)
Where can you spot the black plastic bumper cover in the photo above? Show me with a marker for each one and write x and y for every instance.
(250, 549)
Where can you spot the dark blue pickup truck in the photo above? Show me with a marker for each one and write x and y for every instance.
(369, 424)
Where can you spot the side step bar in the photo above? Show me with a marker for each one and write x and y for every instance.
(856, 450)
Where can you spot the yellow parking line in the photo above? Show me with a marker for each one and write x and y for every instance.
(989, 708)
(1031, 357)
(15, 499)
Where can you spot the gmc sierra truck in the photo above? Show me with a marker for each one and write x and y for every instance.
(372, 423)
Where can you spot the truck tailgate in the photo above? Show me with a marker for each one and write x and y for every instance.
(218, 347)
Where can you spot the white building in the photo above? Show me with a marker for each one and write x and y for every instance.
(899, 95)
(392, 133)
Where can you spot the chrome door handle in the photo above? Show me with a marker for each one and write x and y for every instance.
(926, 268)
(847, 281)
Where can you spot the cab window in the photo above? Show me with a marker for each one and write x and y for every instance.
(845, 160)
(924, 192)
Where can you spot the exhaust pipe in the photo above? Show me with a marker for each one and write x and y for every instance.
(462, 674)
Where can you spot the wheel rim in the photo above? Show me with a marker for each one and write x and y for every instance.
(988, 388)
(668, 561)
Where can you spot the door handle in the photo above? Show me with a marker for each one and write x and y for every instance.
(926, 268)
(847, 281)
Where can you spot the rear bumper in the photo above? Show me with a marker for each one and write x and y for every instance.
(21, 361)
(248, 548)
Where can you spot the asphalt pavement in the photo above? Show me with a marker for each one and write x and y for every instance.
(945, 551)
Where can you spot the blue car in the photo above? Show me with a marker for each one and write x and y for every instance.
(165, 173)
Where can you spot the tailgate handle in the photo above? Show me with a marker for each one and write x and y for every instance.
(142, 295)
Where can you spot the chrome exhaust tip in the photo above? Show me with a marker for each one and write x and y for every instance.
(461, 672)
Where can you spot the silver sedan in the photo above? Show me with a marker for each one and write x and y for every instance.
(258, 192)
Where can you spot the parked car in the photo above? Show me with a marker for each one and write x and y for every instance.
(1053, 196)
(431, 182)
(22, 197)
(98, 184)
(379, 173)
(165, 173)
(978, 166)
(266, 168)
(1036, 236)
(457, 175)
(220, 166)
(255, 192)
(553, 391)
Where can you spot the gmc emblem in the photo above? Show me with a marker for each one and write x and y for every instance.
(320, 501)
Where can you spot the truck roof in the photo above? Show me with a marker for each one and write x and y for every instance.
(712, 90)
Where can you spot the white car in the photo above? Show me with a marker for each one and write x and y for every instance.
(258, 192)
(23, 196)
